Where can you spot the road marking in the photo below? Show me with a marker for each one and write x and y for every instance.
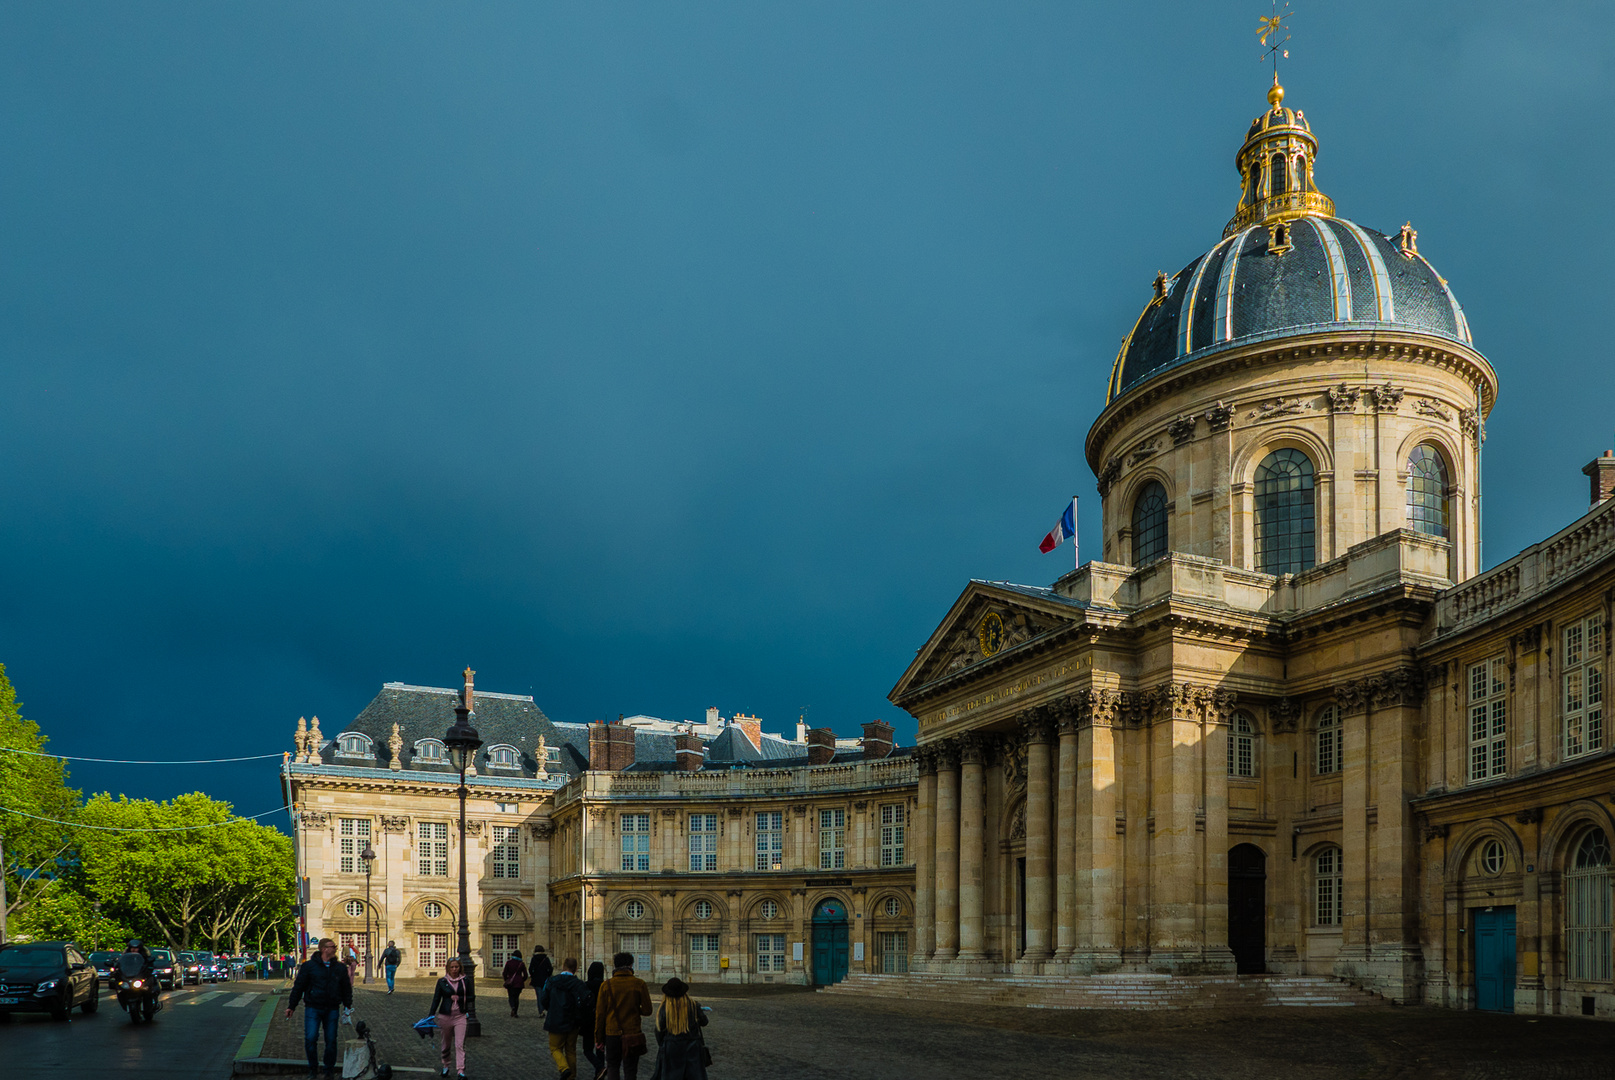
(241, 1001)
(203, 997)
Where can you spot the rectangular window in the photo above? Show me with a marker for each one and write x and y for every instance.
(638, 946)
(891, 834)
(832, 839)
(635, 841)
(893, 948)
(704, 954)
(501, 946)
(1326, 910)
(352, 835)
(770, 840)
(1582, 667)
(703, 842)
(1488, 720)
(770, 953)
(432, 848)
(506, 854)
(432, 951)
(1588, 922)
(1328, 757)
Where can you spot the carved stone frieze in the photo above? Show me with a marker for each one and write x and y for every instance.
(1529, 816)
(1220, 417)
(1352, 696)
(1181, 430)
(1387, 398)
(861, 804)
(1013, 751)
(1144, 451)
(313, 819)
(1403, 686)
(965, 648)
(1017, 824)
(473, 828)
(799, 809)
(394, 823)
(1344, 398)
(1108, 475)
(1432, 408)
(1469, 422)
(1279, 406)
(1286, 715)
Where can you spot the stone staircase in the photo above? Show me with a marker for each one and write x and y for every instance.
(1120, 990)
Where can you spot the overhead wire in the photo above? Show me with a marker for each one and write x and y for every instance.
(123, 829)
(121, 761)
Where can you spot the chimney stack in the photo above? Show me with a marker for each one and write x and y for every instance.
(877, 740)
(821, 746)
(689, 751)
(751, 726)
(713, 719)
(1601, 470)
(611, 747)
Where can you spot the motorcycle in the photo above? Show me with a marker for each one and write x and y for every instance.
(137, 986)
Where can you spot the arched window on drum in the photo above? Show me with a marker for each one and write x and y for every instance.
(1286, 517)
(1280, 175)
(1588, 917)
(1427, 492)
(1149, 524)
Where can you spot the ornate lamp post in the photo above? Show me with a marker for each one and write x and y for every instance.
(462, 743)
(369, 857)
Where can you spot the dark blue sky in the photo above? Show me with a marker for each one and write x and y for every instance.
(652, 356)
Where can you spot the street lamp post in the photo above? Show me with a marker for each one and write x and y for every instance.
(369, 857)
(462, 743)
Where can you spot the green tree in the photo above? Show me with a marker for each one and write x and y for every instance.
(64, 914)
(37, 853)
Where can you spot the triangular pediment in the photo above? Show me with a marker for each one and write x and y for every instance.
(990, 621)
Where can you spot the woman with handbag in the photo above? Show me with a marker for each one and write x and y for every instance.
(451, 1005)
(681, 1049)
(515, 978)
(623, 999)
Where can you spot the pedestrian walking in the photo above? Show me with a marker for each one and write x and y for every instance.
(586, 1033)
(325, 987)
(515, 979)
(623, 999)
(390, 959)
(563, 1016)
(681, 1049)
(450, 1005)
(539, 971)
(353, 964)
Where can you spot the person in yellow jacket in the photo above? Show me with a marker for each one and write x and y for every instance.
(622, 1000)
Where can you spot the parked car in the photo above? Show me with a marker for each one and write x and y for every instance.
(190, 967)
(102, 962)
(221, 964)
(46, 976)
(166, 968)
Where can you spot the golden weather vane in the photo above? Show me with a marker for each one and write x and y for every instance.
(1268, 31)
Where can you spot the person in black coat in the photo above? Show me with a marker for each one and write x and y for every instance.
(325, 987)
(540, 971)
(591, 997)
(680, 1048)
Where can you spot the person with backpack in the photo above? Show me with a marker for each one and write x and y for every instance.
(539, 971)
(390, 959)
(586, 1035)
(562, 1002)
(515, 975)
(624, 998)
(681, 1049)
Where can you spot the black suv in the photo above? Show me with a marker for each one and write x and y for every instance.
(190, 965)
(166, 969)
(46, 976)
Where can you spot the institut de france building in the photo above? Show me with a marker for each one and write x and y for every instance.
(1287, 724)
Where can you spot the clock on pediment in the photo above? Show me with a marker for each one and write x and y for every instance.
(990, 634)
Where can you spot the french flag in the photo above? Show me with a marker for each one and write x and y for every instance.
(1067, 526)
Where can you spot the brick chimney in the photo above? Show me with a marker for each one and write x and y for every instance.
(611, 747)
(877, 739)
(689, 751)
(751, 726)
(821, 746)
(1601, 470)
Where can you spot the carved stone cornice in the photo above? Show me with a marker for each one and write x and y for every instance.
(1403, 686)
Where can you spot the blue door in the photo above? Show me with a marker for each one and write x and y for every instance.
(830, 934)
(1494, 959)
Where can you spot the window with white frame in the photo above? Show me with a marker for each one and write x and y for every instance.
(432, 951)
(893, 907)
(504, 757)
(703, 842)
(432, 909)
(1326, 887)
(501, 946)
(891, 834)
(635, 841)
(1492, 858)
(432, 848)
(429, 750)
(770, 953)
(353, 744)
(770, 840)
(704, 954)
(893, 947)
(768, 909)
(1327, 756)
(352, 836)
(636, 945)
(506, 852)
(634, 909)
(1588, 910)
(1488, 720)
(703, 909)
(1582, 668)
(1241, 745)
(354, 908)
(506, 912)
(832, 839)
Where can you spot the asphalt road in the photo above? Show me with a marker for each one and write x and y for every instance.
(195, 1037)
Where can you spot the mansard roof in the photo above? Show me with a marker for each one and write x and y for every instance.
(426, 712)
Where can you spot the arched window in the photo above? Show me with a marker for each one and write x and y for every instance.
(1587, 910)
(1286, 519)
(1149, 524)
(503, 757)
(353, 745)
(1326, 887)
(1327, 758)
(1241, 745)
(1280, 175)
(429, 750)
(1427, 492)
(1256, 181)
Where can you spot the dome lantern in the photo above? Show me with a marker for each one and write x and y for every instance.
(1275, 168)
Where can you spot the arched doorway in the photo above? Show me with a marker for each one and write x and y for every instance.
(1247, 908)
(830, 932)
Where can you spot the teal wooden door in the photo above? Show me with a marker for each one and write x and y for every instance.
(830, 933)
(1494, 959)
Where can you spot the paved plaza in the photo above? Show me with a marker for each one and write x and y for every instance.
(778, 1033)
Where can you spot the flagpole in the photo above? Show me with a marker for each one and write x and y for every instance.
(1076, 558)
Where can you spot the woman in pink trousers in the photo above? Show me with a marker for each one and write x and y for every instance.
(449, 1005)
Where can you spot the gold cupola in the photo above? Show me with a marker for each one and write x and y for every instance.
(1275, 165)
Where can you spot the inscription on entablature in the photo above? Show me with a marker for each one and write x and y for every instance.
(1000, 693)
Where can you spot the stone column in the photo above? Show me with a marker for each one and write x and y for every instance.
(972, 786)
(542, 834)
(1175, 941)
(1065, 844)
(1395, 698)
(925, 861)
(1100, 857)
(947, 853)
(1351, 961)
(1039, 865)
(1219, 711)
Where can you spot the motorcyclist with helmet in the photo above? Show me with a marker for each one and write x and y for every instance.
(135, 982)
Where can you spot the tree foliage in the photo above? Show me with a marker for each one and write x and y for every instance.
(37, 853)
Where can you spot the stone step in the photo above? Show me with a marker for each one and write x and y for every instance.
(1119, 990)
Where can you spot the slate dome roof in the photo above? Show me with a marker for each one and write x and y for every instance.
(1334, 275)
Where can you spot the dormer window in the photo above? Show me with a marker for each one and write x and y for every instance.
(552, 755)
(429, 750)
(353, 745)
(503, 757)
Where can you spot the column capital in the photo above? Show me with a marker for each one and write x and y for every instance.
(1037, 724)
(972, 749)
(925, 759)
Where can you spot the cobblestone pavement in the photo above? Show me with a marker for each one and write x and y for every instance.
(780, 1033)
